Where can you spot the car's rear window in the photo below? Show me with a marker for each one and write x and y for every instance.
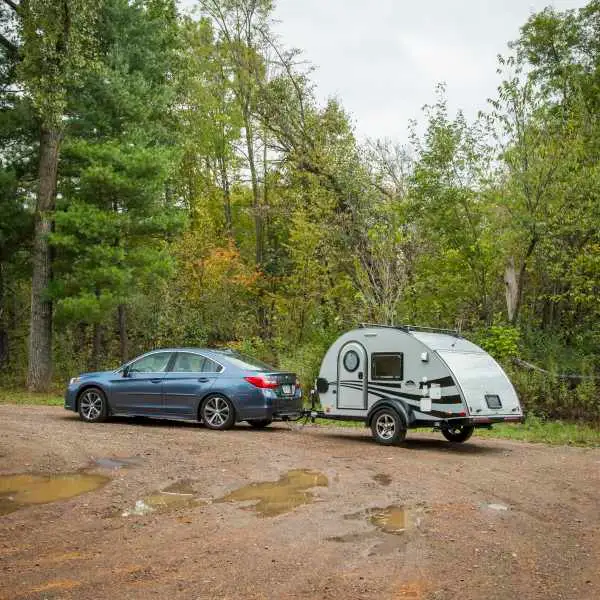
(247, 362)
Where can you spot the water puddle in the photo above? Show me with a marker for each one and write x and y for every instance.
(17, 491)
(180, 494)
(392, 519)
(117, 463)
(272, 498)
(382, 479)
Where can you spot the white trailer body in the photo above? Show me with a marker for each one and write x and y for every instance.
(428, 377)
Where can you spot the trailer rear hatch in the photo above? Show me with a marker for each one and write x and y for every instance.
(486, 388)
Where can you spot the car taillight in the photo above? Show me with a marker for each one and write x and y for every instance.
(262, 382)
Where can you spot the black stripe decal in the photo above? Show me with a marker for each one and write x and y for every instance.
(453, 399)
(442, 382)
(450, 399)
(434, 413)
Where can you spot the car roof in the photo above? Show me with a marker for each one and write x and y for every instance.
(192, 349)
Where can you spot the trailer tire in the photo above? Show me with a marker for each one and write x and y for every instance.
(459, 433)
(388, 427)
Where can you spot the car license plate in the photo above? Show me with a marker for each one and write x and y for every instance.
(288, 390)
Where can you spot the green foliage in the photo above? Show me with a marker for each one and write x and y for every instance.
(502, 342)
(206, 197)
(57, 48)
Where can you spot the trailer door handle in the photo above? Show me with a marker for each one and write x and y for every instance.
(360, 375)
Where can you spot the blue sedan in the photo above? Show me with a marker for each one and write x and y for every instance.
(216, 387)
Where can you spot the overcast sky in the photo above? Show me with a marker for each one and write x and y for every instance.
(383, 58)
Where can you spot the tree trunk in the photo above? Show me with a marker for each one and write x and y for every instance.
(226, 196)
(515, 282)
(39, 373)
(124, 340)
(3, 328)
(512, 290)
(96, 347)
(258, 221)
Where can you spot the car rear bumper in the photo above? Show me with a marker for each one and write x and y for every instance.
(257, 404)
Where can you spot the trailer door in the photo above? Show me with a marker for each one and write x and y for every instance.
(352, 377)
(486, 388)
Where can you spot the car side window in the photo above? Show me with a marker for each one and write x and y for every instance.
(210, 366)
(186, 362)
(153, 363)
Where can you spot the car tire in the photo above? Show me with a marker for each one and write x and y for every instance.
(388, 427)
(217, 412)
(93, 407)
(459, 433)
(260, 423)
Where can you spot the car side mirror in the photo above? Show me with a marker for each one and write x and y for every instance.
(126, 371)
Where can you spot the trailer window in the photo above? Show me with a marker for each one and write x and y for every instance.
(387, 366)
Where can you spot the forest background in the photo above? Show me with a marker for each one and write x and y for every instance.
(172, 180)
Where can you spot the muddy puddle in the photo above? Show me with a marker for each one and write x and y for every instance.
(382, 479)
(178, 495)
(272, 498)
(395, 520)
(18, 491)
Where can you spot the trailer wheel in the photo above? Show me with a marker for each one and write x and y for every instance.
(458, 433)
(388, 427)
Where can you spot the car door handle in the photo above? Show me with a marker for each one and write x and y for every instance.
(156, 380)
(203, 379)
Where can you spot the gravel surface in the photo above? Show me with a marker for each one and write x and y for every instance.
(489, 519)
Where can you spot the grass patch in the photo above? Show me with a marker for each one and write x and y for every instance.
(535, 429)
(8, 396)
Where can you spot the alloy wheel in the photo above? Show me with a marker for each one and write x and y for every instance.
(91, 405)
(386, 426)
(216, 412)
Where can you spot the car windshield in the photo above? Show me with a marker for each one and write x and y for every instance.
(247, 362)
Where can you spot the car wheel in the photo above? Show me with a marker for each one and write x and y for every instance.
(260, 424)
(458, 433)
(388, 427)
(217, 412)
(93, 407)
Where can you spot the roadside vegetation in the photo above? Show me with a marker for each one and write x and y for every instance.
(23, 397)
(535, 429)
(170, 179)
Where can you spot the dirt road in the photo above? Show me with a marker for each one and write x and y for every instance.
(346, 519)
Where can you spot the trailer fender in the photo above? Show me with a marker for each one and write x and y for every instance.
(400, 407)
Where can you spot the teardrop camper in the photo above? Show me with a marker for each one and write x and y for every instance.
(399, 378)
